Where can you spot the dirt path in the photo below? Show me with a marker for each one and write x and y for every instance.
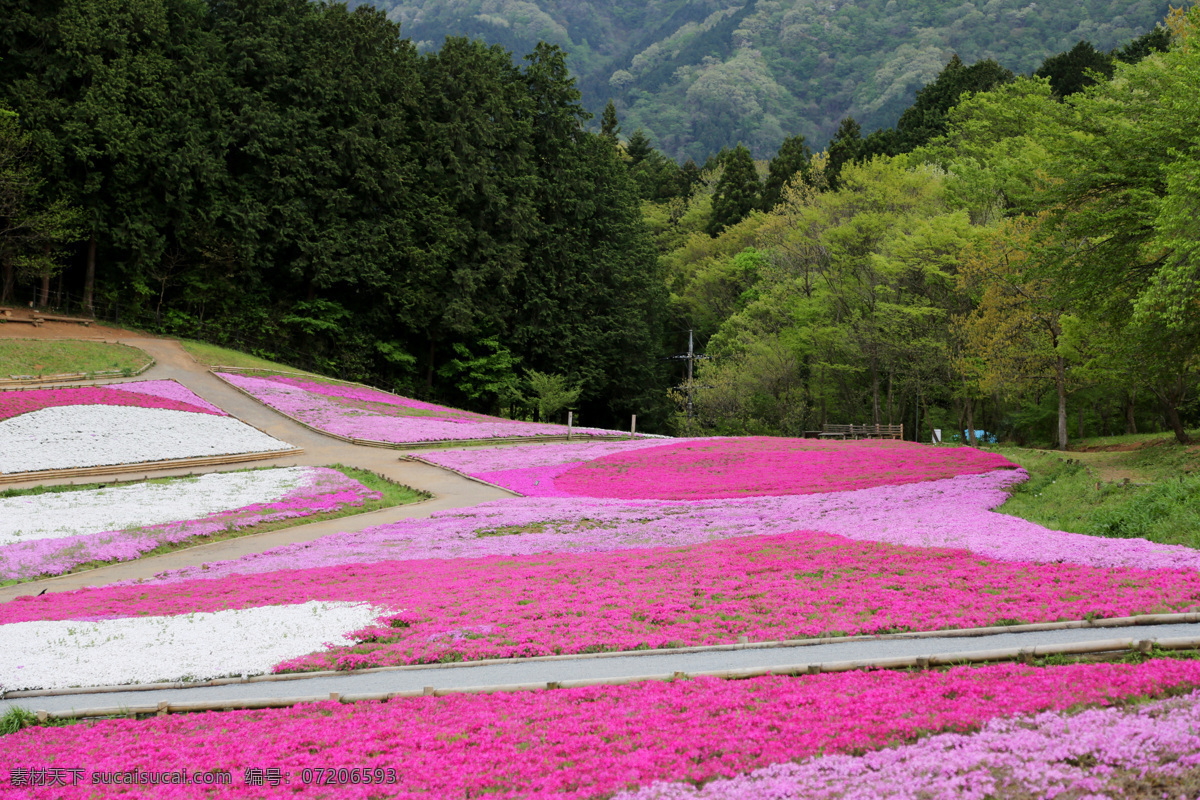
(173, 362)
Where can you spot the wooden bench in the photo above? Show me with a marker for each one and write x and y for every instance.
(55, 318)
(839, 431)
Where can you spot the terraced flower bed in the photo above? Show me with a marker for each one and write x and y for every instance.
(50, 429)
(643, 544)
(786, 586)
(592, 742)
(357, 412)
(52, 533)
(1123, 751)
(704, 469)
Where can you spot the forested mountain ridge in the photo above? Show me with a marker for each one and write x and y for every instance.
(700, 75)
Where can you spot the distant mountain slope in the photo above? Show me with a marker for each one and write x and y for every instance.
(702, 74)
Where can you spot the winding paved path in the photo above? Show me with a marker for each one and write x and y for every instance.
(611, 668)
(449, 490)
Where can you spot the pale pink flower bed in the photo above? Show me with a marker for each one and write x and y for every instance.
(954, 513)
(530, 470)
(591, 742)
(785, 586)
(326, 490)
(1099, 752)
(360, 413)
(140, 394)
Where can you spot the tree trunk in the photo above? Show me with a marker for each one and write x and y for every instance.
(1171, 400)
(917, 418)
(876, 416)
(1130, 419)
(6, 282)
(890, 407)
(44, 294)
(1172, 412)
(89, 277)
(1060, 384)
(971, 422)
(429, 373)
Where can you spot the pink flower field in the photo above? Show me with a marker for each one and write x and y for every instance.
(728, 468)
(595, 741)
(138, 394)
(948, 513)
(1100, 752)
(645, 544)
(324, 490)
(787, 586)
(707, 469)
(357, 412)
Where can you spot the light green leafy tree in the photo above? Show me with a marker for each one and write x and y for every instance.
(550, 393)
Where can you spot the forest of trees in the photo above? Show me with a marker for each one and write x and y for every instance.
(1018, 254)
(1023, 259)
(294, 178)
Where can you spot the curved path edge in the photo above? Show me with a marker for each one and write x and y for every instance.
(745, 663)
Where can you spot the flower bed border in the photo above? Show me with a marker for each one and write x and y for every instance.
(441, 444)
(1108, 646)
(134, 466)
(459, 473)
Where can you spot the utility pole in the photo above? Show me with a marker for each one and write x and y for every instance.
(691, 356)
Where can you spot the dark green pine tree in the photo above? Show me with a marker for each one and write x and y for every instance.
(793, 157)
(590, 300)
(638, 148)
(610, 128)
(478, 163)
(1071, 72)
(738, 191)
(926, 117)
(844, 148)
(1155, 41)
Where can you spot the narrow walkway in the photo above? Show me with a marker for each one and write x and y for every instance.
(656, 664)
(173, 362)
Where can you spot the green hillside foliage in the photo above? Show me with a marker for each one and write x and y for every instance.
(297, 180)
(1031, 270)
(701, 75)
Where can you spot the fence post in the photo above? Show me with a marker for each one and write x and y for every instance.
(633, 426)
(570, 420)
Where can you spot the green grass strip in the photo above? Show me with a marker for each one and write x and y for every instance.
(38, 357)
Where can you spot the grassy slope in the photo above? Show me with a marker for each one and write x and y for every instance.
(210, 355)
(60, 356)
(1129, 486)
(394, 494)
